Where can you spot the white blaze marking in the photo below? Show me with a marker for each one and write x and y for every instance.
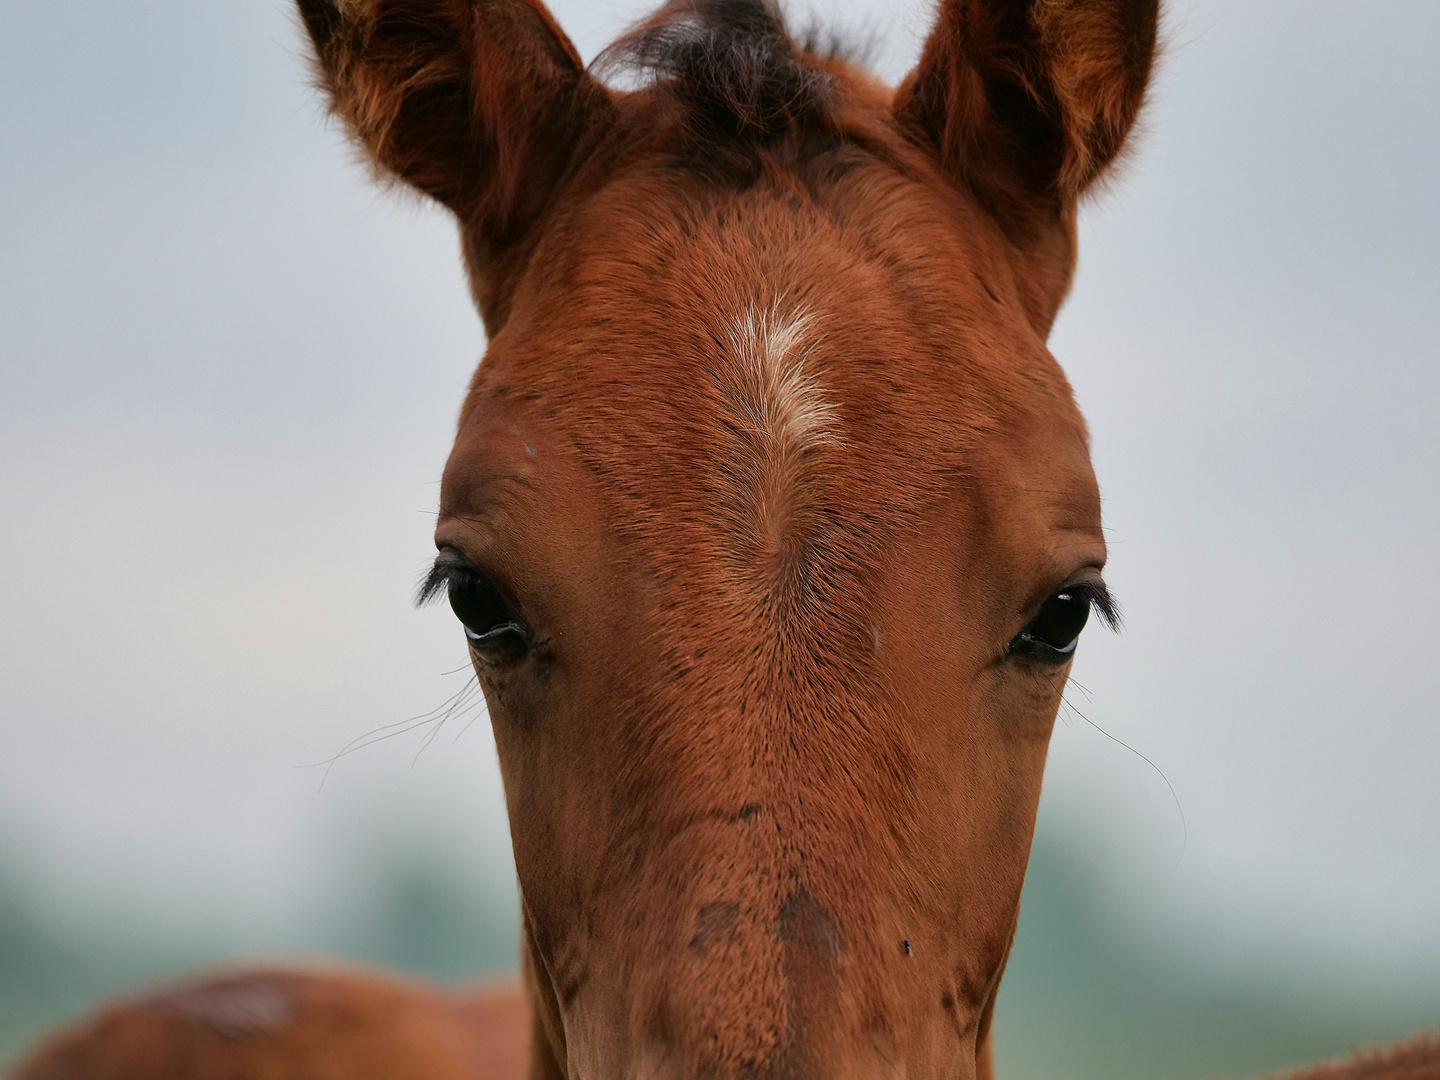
(782, 413)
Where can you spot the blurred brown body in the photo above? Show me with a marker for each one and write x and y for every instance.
(1418, 1059)
(284, 1025)
(769, 518)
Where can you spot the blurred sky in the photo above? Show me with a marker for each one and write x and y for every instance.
(229, 372)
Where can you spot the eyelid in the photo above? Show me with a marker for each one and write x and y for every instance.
(1097, 593)
(1092, 587)
(449, 569)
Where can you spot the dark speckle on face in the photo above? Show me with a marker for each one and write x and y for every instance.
(806, 926)
(714, 926)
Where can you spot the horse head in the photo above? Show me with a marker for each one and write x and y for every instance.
(770, 520)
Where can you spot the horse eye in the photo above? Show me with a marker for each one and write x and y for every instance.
(491, 627)
(1055, 631)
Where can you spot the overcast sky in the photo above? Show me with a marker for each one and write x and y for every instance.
(228, 377)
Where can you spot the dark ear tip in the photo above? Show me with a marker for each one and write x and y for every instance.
(322, 19)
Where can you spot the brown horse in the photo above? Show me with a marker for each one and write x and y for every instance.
(770, 523)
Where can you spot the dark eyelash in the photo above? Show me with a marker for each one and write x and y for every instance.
(1101, 602)
(447, 573)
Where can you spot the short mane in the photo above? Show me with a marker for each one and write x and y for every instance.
(733, 67)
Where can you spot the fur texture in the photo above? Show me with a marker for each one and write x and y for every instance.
(455, 97)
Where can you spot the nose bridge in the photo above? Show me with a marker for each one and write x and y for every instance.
(756, 984)
(757, 993)
(768, 915)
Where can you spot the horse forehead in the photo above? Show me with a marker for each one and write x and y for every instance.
(754, 351)
(765, 419)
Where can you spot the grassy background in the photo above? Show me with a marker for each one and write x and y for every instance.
(1089, 995)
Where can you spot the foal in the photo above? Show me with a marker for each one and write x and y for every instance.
(770, 521)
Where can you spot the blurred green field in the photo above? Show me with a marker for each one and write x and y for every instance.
(1086, 997)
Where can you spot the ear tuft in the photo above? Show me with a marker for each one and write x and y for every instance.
(1100, 61)
(1027, 102)
(482, 104)
(458, 98)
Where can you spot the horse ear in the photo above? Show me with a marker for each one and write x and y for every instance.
(1027, 102)
(477, 103)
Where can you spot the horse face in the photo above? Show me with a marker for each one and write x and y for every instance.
(771, 727)
(770, 520)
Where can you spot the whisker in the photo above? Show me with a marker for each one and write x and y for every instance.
(1184, 825)
(459, 699)
(468, 725)
(435, 731)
